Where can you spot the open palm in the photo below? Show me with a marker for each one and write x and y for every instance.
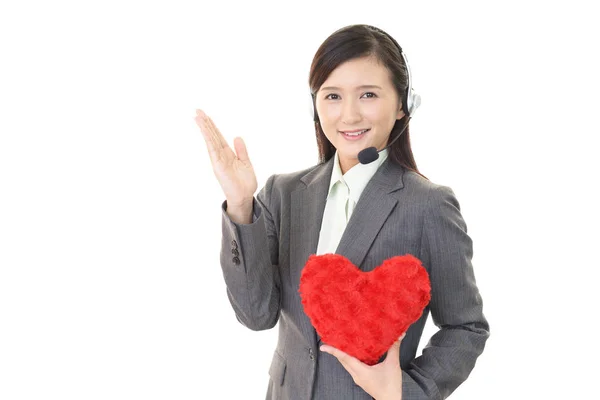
(234, 171)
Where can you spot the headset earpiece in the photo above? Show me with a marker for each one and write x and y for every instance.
(413, 100)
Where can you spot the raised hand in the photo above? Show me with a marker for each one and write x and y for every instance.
(234, 171)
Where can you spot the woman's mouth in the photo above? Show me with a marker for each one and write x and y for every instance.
(354, 135)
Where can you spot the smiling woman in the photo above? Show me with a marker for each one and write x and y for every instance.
(366, 84)
(367, 212)
(353, 115)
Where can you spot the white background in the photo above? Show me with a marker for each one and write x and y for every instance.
(110, 224)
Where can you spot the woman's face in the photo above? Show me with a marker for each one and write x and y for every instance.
(358, 95)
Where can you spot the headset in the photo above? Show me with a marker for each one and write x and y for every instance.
(410, 102)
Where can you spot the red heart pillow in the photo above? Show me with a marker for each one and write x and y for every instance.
(363, 313)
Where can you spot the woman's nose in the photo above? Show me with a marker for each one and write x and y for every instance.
(350, 112)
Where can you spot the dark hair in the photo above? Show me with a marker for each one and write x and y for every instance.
(357, 41)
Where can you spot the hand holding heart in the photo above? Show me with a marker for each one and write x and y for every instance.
(361, 315)
(381, 381)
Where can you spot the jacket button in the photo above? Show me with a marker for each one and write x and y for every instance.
(234, 243)
(235, 252)
(236, 260)
(311, 356)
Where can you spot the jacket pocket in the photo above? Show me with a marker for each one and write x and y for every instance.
(277, 369)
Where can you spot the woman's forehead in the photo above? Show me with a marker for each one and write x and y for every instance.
(358, 74)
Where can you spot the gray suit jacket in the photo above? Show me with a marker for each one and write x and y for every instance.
(398, 212)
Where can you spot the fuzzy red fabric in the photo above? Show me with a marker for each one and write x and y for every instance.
(363, 313)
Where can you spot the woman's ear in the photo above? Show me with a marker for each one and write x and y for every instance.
(400, 113)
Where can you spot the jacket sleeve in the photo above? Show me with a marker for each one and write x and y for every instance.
(249, 258)
(456, 305)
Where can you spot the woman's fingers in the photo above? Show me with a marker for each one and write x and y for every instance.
(241, 151)
(351, 364)
(217, 146)
(213, 151)
(393, 354)
(219, 139)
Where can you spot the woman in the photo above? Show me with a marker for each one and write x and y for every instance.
(368, 213)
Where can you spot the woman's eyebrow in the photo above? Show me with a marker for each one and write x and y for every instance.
(358, 87)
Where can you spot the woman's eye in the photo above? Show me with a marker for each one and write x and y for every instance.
(333, 94)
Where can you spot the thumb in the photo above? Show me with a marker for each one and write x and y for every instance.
(393, 354)
(240, 150)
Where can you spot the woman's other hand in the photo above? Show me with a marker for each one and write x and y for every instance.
(234, 171)
(383, 381)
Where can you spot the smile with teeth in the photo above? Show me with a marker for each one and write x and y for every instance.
(355, 133)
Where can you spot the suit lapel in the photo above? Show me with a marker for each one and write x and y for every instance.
(307, 207)
(372, 209)
(308, 204)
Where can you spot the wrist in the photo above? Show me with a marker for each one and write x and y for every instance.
(240, 213)
(392, 394)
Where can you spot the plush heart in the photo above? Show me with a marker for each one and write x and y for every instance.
(363, 313)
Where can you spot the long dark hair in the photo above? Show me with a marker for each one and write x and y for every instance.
(357, 41)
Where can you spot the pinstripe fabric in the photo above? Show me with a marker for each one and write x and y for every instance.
(398, 212)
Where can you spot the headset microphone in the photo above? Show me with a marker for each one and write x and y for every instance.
(371, 154)
(410, 101)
